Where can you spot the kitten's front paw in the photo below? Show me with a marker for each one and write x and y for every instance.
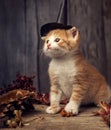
(72, 107)
(53, 109)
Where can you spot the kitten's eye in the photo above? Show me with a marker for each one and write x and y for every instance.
(47, 41)
(57, 39)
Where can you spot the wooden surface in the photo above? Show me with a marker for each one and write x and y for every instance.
(39, 120)
(21, 46)
(91, 25)
(107, 29)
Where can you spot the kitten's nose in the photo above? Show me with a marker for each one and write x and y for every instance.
(48, 46)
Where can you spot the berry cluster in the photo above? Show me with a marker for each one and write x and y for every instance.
(21, 82)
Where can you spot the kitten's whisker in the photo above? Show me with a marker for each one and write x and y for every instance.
(41, 52)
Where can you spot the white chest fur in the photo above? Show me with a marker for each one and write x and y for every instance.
(65, 70)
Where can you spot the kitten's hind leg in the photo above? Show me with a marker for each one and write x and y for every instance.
(104, 94)
(55, 97)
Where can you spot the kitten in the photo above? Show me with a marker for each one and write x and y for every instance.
(70, 74)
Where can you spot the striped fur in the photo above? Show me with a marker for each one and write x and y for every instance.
(70, 74)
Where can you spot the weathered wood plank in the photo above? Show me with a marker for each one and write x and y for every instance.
(87, 16)
(85, 121)
(12, 40)
(39, 120)
(20, 43)
(107, 34)
(31, 39)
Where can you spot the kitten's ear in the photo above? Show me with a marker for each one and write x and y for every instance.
(74, 31)
(43, 38)
(73, 36)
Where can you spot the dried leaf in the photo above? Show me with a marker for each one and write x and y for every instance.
(66, 114)
(104, 111)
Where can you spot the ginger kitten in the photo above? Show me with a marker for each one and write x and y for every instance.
(70, 74)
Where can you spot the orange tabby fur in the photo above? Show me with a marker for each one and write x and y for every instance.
(70, 73)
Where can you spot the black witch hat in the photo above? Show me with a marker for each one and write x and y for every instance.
(46, 28)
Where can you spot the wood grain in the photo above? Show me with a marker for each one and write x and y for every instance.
(12, 40)
(87, 16)
(39, 120)
(107, 34)
(21, 46)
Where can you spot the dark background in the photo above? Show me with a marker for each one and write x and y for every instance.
(21, 46)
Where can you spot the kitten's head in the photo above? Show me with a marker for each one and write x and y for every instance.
(60, 42)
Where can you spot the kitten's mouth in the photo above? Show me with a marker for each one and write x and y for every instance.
(49, 48)
(54, 49)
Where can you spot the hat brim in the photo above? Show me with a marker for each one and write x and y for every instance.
(46, 28)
